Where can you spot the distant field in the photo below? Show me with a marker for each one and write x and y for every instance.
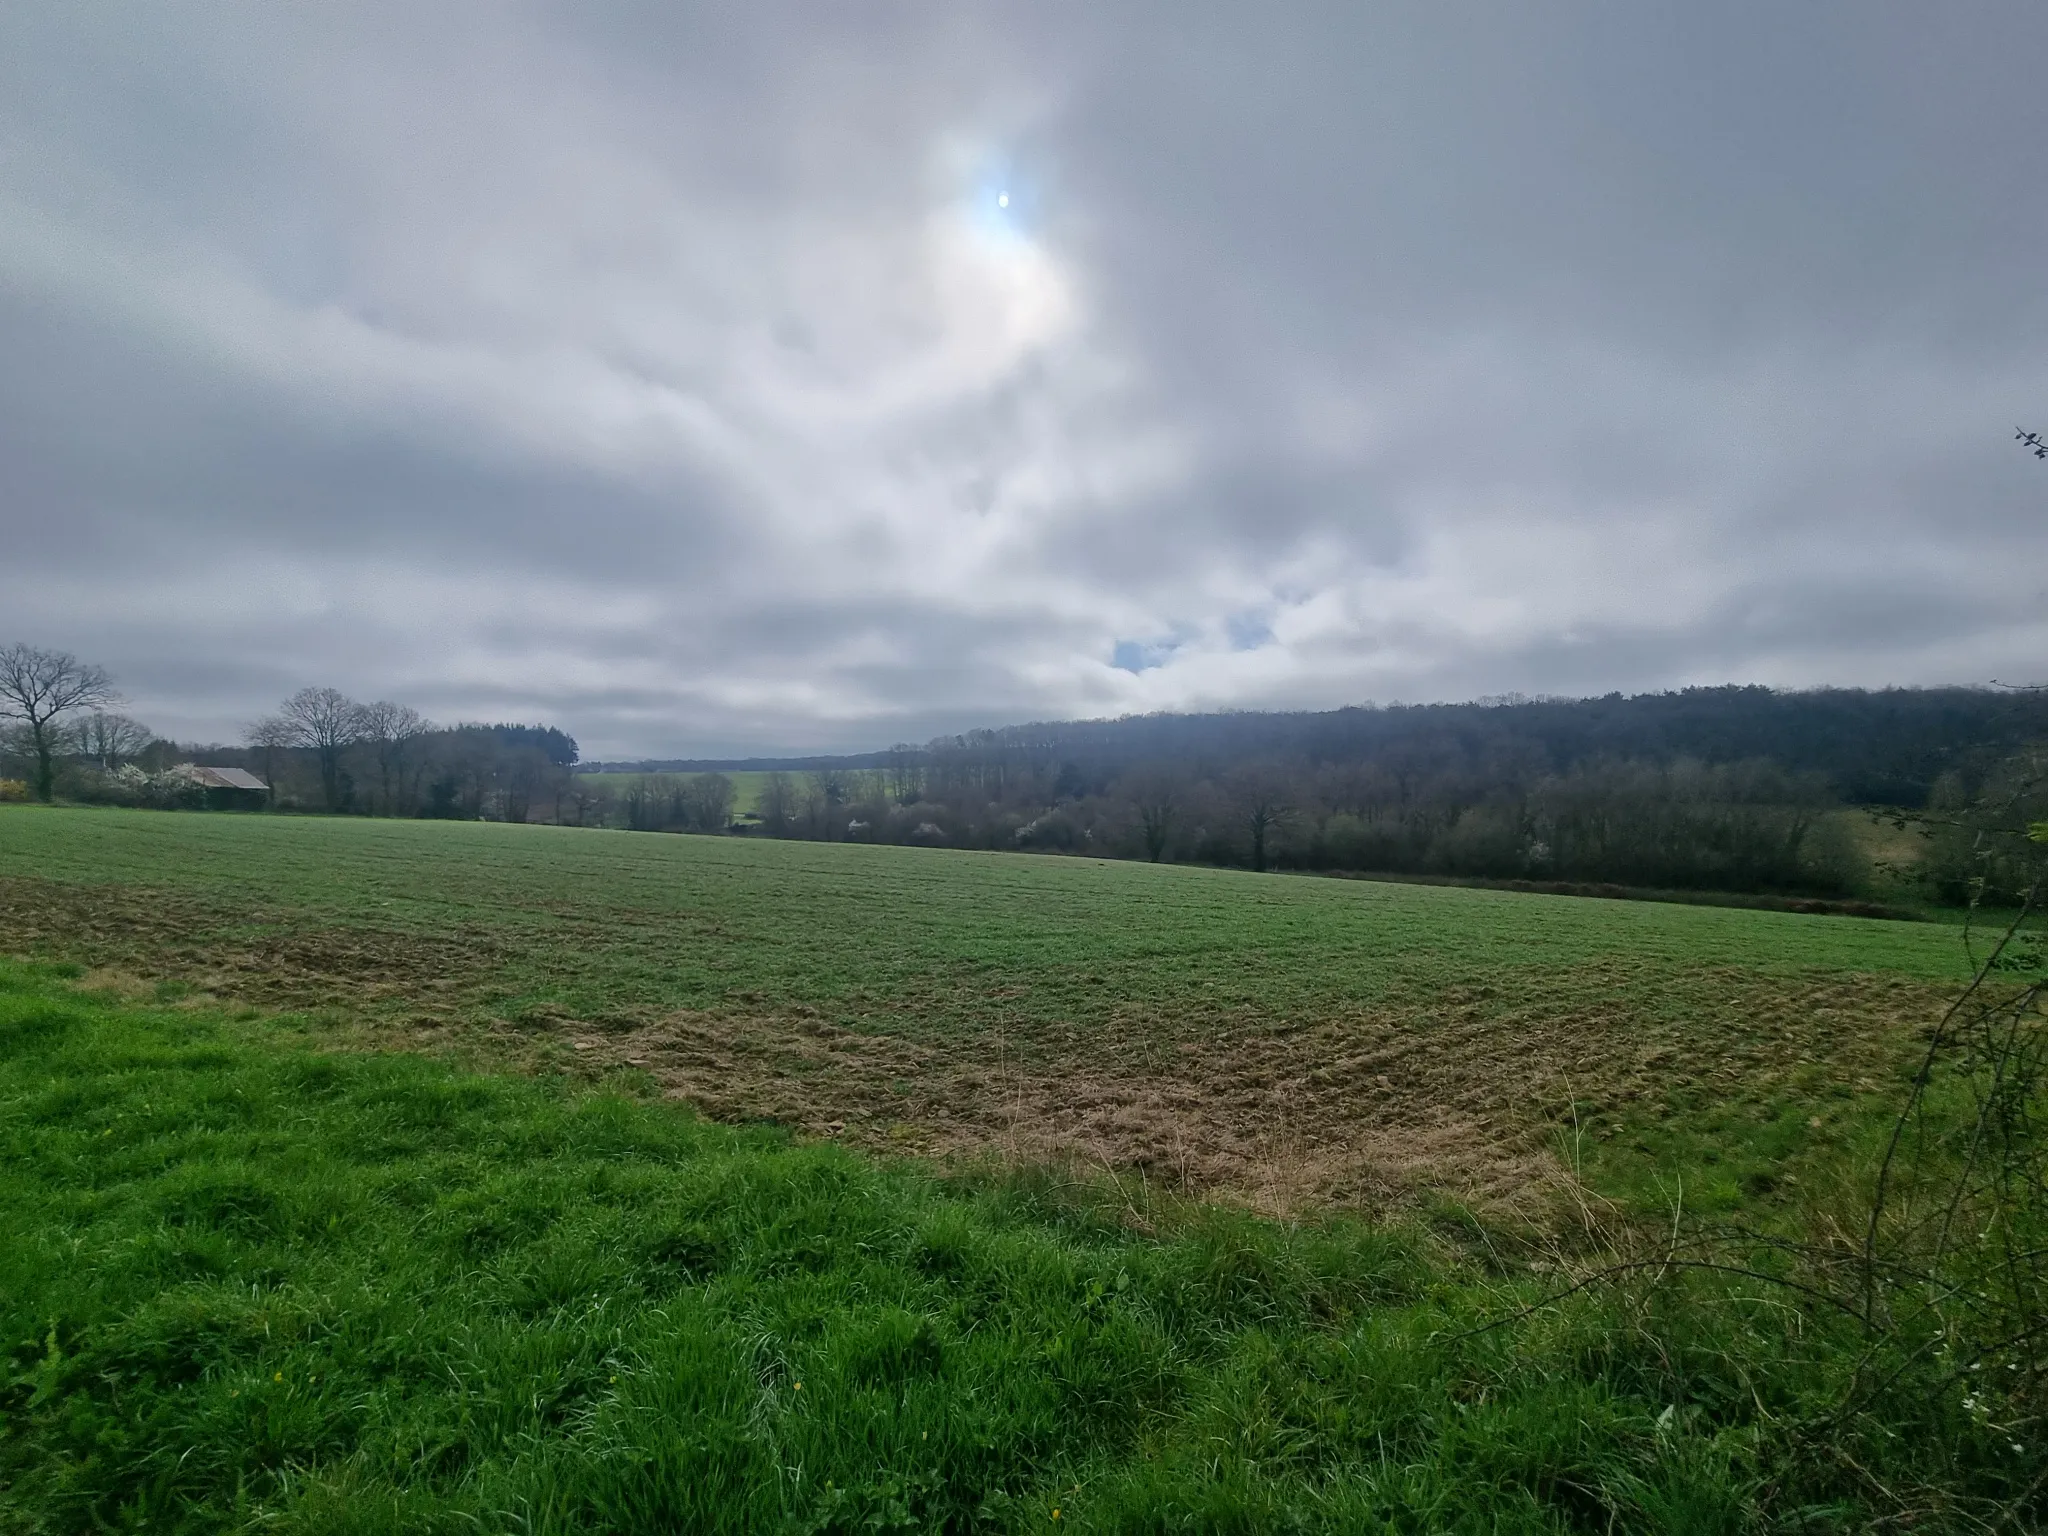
(1291, 1041)
(746, 784)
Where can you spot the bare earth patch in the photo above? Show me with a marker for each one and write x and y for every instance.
(1460, 1090)
(1359, 1110)
(272, 959)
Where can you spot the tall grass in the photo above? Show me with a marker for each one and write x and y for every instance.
(244, 1286)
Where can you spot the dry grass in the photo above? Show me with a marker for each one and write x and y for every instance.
(1461, 1098)
(1462, 1091)
(1289, 1043)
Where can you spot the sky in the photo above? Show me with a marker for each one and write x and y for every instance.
(811, 377)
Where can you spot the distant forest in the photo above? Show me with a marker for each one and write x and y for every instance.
(1711, 789)
(1733, 789)
(1890, 746)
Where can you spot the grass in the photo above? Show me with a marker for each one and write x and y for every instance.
(1290, 1042)
(747, 784)
(251, 1286)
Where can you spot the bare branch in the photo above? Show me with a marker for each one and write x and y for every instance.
(38, 688)
(329, 722)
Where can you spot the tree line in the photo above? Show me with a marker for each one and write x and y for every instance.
(1750, 826)
(62, 735)
(1889, 746)
(1712, 789)
(326, 750)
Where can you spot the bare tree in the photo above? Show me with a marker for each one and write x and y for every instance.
(825, 791)
(585, 795)
(708, 801)
(777, 805)
(271, 735)
(1259, 796)
(390, 730)
(39, 688)
(905, 774)
(109, 739)
(329, 722)
(1156, 793)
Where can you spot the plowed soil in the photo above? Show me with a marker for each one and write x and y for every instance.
(1458, 1087)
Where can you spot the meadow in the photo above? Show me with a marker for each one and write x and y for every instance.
(1287, 1041)
(746, 783)
(377, 1176)
(250, 1286)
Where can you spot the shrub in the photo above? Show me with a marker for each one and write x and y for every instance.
(172, 789)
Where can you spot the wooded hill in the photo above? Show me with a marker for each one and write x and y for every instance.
(1885, 747)
(1707, 788)
(1871, 747)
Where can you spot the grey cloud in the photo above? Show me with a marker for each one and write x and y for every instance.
(673, 374)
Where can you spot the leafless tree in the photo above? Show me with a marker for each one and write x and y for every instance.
(778, 804)
(390, 730)
(825, 791)
(1260, 798)
(1156, 794)
(110, 739)
(707, 802)
(270, 736)
(39, 688)
(329, 722)
(584, 796)
(906, 772)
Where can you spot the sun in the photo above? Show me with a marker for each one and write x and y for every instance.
(1002, 199)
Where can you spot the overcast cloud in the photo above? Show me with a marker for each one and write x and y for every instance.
(682, 376)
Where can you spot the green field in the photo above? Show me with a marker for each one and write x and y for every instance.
(746, 783)
(1289, 1041)
(252, 1281)
(248, 1287)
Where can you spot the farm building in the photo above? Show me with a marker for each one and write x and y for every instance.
(228, 789)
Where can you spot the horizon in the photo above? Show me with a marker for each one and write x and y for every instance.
(718, 387)
(740, 760)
